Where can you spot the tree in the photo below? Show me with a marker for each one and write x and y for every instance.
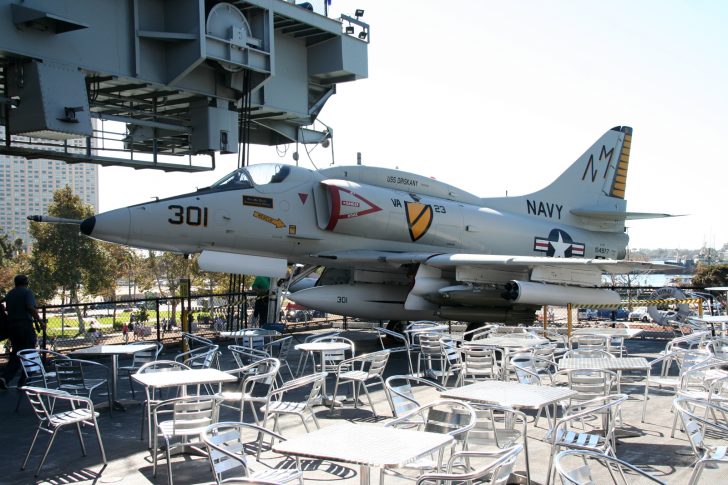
(63, 259)
(711, 275)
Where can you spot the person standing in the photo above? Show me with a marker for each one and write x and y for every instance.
(261, 287)
(22, 313)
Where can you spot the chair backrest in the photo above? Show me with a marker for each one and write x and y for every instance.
(579, 466)
(695, 415)
(689, 341)
(260, 377)
(281, 347)
(142, 357)
(162, 366)
(200, 358)
(70, 374)
(590, 383)
(450, 350)
(589, 342)
(32, 364)
(445, 416)
(606, 407)
(497, 426)
(245, 356)
(316, 382)
(376, 362)
(524, 366)
(430, 343)
(497, 471)
(194, 341)
(187, 413)
(400, 392)
(479, 362)
(230, 451)
(582, 353)
(41, 401)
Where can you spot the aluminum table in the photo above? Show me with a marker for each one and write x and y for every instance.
(513, 395)
(114, 351)
(322, 348)
(179, 378)
(610, 332)
(366, 445)
(614, 364)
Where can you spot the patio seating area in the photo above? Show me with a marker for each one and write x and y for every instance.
(334, 420)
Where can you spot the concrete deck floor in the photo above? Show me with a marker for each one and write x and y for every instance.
(130, 462)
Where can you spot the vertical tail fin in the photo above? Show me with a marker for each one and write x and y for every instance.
(594, 184)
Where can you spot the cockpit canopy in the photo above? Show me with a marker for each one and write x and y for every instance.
(253, 175)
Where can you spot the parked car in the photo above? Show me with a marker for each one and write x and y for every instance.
(639, 315)
(619, 314)
(587, 314)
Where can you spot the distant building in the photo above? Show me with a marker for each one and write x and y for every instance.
(27, 186)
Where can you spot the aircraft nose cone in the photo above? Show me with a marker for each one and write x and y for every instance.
(112, 226)
(87, 226)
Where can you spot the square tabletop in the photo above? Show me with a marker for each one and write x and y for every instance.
(114, 349)
(364, 444)
(609, 332)
(606, 363)
(189, 377)
(509, 342)
(508, 393)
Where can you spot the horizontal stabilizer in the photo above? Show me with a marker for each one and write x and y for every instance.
(619, 215)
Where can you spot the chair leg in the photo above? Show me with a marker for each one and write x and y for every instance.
(45, 455)
(131, 386)
(32, 444)
(369, 397)
(80, 438)
(169, 464)
(333, 397)
(101, 443)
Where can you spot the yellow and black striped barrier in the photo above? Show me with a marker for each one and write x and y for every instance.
(631, 304)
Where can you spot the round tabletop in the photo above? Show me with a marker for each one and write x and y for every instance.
(322, 346)
(250, 332)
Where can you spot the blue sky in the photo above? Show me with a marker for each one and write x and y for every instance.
(497, 96)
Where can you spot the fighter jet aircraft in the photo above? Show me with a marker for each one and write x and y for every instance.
(400, 246)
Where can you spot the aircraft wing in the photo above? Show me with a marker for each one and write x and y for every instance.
(490, 261)
(459, 282)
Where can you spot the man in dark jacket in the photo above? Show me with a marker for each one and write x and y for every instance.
(22, 312)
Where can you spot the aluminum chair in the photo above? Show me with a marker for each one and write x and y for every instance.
(204, 357)
(151, 393)
(587, 354)
(245, 356)
(139, 359)
(73, 376)
(696, 417)
(385, 333)
(363, 372)
(495, 472)
(499, 427)
(429, 352)
(33, 366)
(589, 342)
(563, 436)
(279, 350)
(400, 392)
(81, 411)
(230, 451)
(479, 363)
(184, 417)
(256, 387)
(578, 466)
(446, 416)
(683, 358)
(452, 360)
(277, 406)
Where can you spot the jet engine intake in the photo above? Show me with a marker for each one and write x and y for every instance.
(531, 293)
